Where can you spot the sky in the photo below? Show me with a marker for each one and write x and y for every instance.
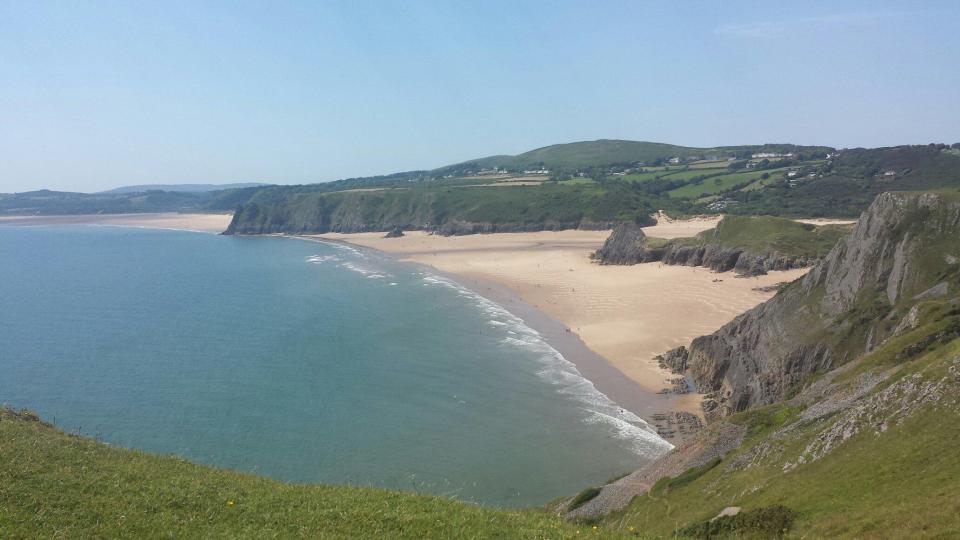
(95, 95)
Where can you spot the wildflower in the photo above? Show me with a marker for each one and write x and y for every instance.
(229, 503)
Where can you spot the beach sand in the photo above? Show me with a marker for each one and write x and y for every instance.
(626, 314)
(211, 223)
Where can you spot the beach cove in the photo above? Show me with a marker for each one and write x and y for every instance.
(625, 314)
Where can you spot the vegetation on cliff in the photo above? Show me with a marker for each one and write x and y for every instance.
(833, 407)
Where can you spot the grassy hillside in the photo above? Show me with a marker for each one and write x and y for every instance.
(58, 485)
(896, 476)
(610, 152)
(767, 233)
(588, 181)
(850, 181)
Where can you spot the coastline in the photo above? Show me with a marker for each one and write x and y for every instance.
(569, 304)
(205, 223)
(593, 367)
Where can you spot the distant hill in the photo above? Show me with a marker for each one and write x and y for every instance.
(609, 152)
(182, 188)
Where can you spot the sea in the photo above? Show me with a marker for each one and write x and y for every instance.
(300, 360)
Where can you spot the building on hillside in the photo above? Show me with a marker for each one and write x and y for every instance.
(674, 161)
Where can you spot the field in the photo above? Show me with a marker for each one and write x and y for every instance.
(719, 184)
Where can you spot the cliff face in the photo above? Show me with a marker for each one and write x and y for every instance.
(904, 249)
(723, 259)
(446, 211)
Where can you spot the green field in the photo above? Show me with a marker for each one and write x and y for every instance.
(719, 184)
(63, 486)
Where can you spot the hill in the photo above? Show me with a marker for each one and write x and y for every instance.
(56, 484)
(46, 202)
(831, 407)
(588, 155)
(586, 184)
(183, 188)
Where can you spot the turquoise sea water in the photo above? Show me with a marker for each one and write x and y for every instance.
(298, 360)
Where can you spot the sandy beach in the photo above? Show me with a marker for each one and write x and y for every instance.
(210, 223)
(626, 314)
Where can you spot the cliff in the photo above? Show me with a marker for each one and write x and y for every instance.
(451, 210)
(841, 387)
(904, 249)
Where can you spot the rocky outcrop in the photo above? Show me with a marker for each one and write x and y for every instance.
(626, 245)
(723, 259)
(847, 304)
(674, 360)
(395, 232)
(784, 245)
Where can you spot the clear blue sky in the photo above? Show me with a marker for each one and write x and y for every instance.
(95, 95)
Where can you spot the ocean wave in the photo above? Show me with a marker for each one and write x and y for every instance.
(320, 259)
(564, 375)
(367, 272)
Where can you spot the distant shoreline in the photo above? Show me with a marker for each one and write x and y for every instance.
(207, 223)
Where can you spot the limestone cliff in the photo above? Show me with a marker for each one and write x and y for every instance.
(903, 249)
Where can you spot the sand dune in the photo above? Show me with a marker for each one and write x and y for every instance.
(627, 314)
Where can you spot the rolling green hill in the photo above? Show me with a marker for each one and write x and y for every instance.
(609, 152)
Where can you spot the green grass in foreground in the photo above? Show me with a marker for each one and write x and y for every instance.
(57, 485)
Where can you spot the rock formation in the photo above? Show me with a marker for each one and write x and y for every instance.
(846, 305)
(626, 245)
(395, 232)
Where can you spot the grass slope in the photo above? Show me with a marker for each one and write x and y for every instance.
(903, 482)
(57, 485)
(768, 233)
